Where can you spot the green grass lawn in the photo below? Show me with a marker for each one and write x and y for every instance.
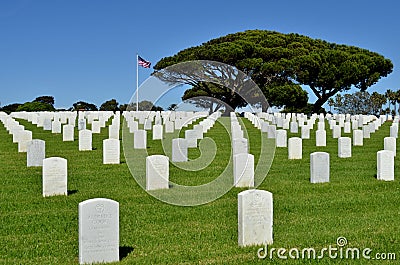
(37, 230)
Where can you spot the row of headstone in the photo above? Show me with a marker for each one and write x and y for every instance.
(243, 161)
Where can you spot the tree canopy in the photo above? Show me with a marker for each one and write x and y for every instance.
(35, 106)
(280, 63)
(82, 105)
(360, 102)
(45, 99)
(110, 105)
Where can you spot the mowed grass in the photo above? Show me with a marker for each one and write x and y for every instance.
(37, 230)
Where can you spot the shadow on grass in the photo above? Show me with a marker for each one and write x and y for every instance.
(70, 192)
(124, 251)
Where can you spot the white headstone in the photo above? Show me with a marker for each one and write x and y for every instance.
(321, 125)
(133, 126)
(68, 132)
(320, 138)
(158, 132)
(243, 170)
(23, 139)
(85, 140)
(140, 139)
(239, 146)
(47, 124)
(385, 165)
(111, 151)
(113, 131)
(336, 131)
(56, 126)
(96, 128)
(281, 138)
(98, 231)
(358, 138)
(271, 129)
(394, 131)
(319, 167)
(295, 149)
(35, 153)
(148, 125)
(169, 127)
(179, 150)
(255, 217)
(305, 132)
(54, 176)
(191, 138)
(389, 143)
(347, 127)
(294, 127)
(366, 131)
(81, 124)
(157, 172)
(344, 147)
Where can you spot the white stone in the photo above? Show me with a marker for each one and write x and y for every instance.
(47, 124)
(243, 170)
(85, 140)
(305, 132)
(157, 172)
(294, 127)
(255, 218)
(179, 150)
(35, 153)
(321, 125)
(133, 126)
(98, 231)
(140, 139)
(54, 176)
(148, 124)
(358, 138)
(271, 131)
(239, 146)
(111, 151)
(157, 132)
(319, 167)
(68, 133)
(389, 143)
(281, 138)
(113, 131)
(394, 131)
(344, 147)
(347, 127)
(336, 131)
(81, 124)
(320, 138)
(295, 148)
(191, 138)
(23, 139)
(56, 127)
(366, 131)
(169, 127)
(385, 165)
(96, 128)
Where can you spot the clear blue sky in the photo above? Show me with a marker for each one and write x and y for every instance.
(86, 50)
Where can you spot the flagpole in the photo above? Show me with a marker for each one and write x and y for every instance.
(137, 82)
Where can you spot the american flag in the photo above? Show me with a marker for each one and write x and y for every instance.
(143, 62)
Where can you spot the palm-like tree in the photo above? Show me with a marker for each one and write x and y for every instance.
(391, 97)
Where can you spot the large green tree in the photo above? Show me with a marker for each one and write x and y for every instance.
(277, 61)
